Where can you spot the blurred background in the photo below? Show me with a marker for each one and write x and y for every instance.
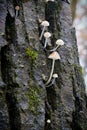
(79, 9)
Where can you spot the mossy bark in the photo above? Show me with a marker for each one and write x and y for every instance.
(24, 62)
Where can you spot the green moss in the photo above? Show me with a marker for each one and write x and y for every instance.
(33, 98)
(79, 68)
(32, 53)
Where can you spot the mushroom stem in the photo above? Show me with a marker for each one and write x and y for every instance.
(54, 49)
(46, 41)
(51, 73)
(53, 81)
(16, 15)
(42, 32)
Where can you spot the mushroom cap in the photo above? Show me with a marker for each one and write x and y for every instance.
(47, 34)
(17, 7)
(60, 42)
(45, 23)
(54, 55)
(48, 121)
(55, 75)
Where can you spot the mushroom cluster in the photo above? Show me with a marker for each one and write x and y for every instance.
(46, 35)
(54, 55)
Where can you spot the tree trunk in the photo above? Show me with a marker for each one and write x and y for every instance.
(26, 103)
(73, 8)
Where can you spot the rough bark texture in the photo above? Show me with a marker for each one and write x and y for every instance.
(25, 102)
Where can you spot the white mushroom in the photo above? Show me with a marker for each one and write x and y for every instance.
(53, 80)
(17, 8)
(49, 121)
(54, 77)
(44, 24)
(59, 42)
(54, 56)
(47, 35)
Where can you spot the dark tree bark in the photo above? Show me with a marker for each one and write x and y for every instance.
(25, 102)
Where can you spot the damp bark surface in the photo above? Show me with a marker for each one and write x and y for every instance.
(25, 102)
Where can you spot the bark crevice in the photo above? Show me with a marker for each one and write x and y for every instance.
(7, 74)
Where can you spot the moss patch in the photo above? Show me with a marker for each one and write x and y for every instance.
(33, 97)
(32, 53)
(80, 69)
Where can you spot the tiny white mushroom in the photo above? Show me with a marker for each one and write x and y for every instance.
(47, 35)
(17, 8)
(54, 77)
(49, 121)
(44, 24)
(59, 42)
(54, 56)
(53, 80)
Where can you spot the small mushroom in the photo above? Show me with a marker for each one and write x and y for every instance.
(47, 35)
(59, 42)
(54, 77)
(54, 56)
(49, 121)
(44, 24)
(53, 80)
(17, 8)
